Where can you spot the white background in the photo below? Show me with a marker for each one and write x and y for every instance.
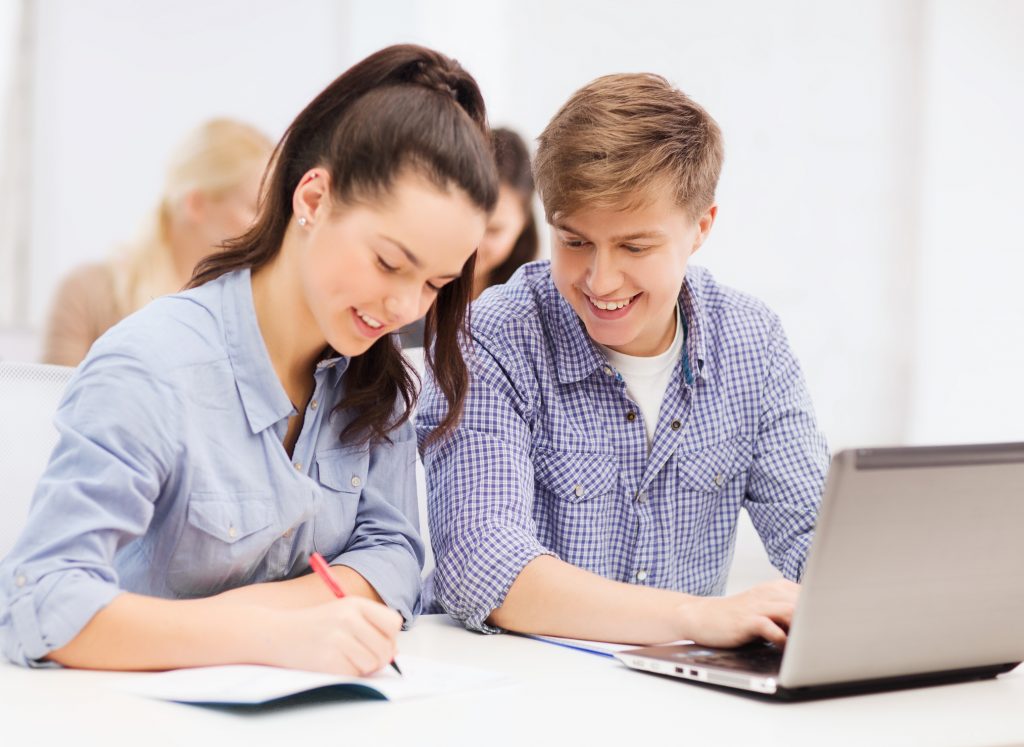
(871, 191)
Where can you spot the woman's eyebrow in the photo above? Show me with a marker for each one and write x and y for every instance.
(415, 260)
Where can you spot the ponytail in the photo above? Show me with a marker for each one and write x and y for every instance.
(403, 107)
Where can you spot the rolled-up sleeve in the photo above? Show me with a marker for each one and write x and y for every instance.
(480, 490)
(790, 460)
(385, 547)
(96, 495)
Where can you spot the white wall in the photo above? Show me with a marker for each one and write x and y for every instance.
(968, 343)
(870, 191)
(119, 83)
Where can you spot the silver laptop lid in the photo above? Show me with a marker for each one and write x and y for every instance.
(917, 565)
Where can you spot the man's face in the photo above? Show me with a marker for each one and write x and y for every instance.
(622, 270)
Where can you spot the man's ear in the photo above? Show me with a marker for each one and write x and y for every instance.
(704, 225)
(310, 199)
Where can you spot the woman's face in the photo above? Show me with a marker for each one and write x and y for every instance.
(503, 229)
(229, 214)
(370, 268)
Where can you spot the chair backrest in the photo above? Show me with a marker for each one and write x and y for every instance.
(29, 394)
(415, 356)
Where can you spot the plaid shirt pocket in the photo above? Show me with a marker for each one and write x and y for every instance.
(576, 492)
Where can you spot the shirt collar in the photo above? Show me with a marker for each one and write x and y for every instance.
(577, 355)
(695, 321)
(263, 398)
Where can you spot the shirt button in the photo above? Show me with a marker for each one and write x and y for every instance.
(313, 405)
(641, 497)
(356, 482)
(20, 581)
(232, 532)
(641, 575)
(298, 466)
(607, 370)
(578, 490)
(676, 425)
(630, 416)
(718, 480)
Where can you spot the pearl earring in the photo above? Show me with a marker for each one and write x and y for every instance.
(302, 221)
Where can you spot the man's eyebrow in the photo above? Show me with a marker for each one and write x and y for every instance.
(415, 260)
(651, 234)
(563, 226)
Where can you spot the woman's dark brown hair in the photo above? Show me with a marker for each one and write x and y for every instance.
(513, 160)
(403, 107)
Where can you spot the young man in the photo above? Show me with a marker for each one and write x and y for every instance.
(623, 407)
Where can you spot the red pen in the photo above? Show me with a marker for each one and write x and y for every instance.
(320, 567)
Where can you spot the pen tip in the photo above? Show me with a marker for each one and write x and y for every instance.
(393, 664)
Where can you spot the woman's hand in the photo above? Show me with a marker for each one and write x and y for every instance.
(344, 636)
(764, 611)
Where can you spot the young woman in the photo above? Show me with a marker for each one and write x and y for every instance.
(511, 237)
(210, 443)
(209, 196)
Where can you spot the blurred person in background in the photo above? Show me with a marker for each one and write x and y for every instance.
(511, 239)
(209, 196)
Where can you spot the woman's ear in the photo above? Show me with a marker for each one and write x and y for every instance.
(311, 198)
(193, 206)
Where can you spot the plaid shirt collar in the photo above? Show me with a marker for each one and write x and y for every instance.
(576, 355)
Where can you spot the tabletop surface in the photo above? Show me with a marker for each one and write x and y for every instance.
(553, 696)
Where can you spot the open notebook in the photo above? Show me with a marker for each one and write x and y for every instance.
(251, 685)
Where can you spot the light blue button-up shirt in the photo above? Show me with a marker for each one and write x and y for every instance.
(170, 477)
(552, 457)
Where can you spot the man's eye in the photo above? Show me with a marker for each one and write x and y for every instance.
(634, 249)
(573, 243)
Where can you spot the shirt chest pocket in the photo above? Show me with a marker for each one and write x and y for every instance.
(575, 507)
(575, 477)
(342, 477)
(712, 474)
(224, 539)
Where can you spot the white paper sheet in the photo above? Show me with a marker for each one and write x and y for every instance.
(601, 648)
(252, 684)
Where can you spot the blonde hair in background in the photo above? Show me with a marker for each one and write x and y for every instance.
(619, 140)
(214, 158)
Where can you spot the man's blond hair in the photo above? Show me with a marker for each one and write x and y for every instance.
(621, 139)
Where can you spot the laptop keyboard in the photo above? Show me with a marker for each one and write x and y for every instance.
(762, 658)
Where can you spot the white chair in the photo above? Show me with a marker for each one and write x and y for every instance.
(29, 394)
(415, 356)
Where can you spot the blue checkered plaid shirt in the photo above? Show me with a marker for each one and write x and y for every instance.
(551, 456)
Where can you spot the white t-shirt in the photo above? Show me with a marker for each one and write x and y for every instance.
(647, 377)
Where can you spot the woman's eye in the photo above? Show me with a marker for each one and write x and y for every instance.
(385, 266)
(434, 288)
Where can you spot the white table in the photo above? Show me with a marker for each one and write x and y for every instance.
(556, 696)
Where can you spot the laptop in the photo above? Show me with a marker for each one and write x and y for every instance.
(915, 576)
